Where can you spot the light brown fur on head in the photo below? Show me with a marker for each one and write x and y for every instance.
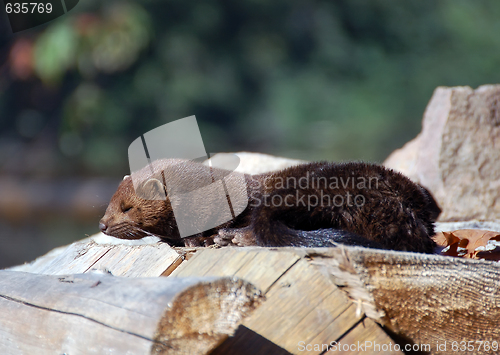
(129, 216)
(134, 213)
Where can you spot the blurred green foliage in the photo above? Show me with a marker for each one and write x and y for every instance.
(332, 80)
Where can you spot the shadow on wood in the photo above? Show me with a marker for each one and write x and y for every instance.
(246, 342)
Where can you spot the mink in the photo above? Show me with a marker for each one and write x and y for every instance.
(309, 205)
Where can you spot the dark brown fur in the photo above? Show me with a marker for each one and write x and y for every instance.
(397, 214)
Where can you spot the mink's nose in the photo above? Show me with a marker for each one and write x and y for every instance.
(103, 226)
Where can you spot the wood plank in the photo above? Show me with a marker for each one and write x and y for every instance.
(142, 260)
(102, 314)
(367, 338)
(76, 259)
(266, 267)
(213, 262)
(259, 266)
(197, 264)
(231, 262)
(138, 261)
(298, 307)
(185, 254)
(340, 321)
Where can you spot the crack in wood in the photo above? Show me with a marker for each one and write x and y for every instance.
(8, 298)
(336, 341)
(95, 262)
(279, 278)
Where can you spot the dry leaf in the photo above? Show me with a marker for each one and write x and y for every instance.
(465, 243)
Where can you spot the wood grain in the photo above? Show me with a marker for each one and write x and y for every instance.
(102, 314)
(366, 338)
(302, 304)
(427, 299)
(146, 260)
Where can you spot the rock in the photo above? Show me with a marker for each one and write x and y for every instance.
(457, 154)
(474, 224)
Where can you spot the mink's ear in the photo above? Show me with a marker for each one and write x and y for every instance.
(152, 189)
(126, 176)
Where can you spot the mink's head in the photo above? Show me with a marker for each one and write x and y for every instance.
(135, 214)
(141, 205)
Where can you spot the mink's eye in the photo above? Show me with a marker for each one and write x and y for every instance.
(125, 208)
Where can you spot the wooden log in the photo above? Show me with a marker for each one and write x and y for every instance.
(447, 305)
(102, 314)
(426, 299)
(304, 311)
(302, 305)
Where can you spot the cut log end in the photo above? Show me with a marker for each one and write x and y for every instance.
(204, 315)
(96, 314)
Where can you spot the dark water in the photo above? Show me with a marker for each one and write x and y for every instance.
(37, 216)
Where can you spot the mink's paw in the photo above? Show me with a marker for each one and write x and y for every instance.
(240, 237)
(225, 237)
(198, 241)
